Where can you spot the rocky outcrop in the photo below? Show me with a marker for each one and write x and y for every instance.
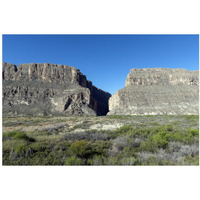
(49, 89)
(154, 91)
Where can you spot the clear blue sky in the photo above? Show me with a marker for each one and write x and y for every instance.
(104, 59)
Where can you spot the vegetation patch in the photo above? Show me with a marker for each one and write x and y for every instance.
(17, 135)
(153, 140)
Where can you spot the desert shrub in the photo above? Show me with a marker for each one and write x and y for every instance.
(36, 147)
(120, 143)
(161, 136)
(128, 151)
(191, 160)
(80, 148)
(116, 117)
(96, 160)
(189, 150)
(181, 149)
(8, 144)
(188, 138)
(143, 143)
(12, 155)
(173, 155)
(169, 128)
(154, 124)
(174, 147)
(73, 160)
(20, 148)
(10, 134)
(194, 132)
(54, 158)
(99, 148)
(129, 130)
(88, 150)
(119, 116)
(112, 161)
(152, 161)
(184, 137)
(18, 135)
(142, 133)
(148, 145)
(192, 117)
(161, 139)
(128, 161)
(147, 158)
(86, 135)
(111, 134)
(135, 143)
(124, 129)
(54, 130)
(164, 128)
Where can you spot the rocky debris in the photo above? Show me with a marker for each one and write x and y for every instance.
(49, 89)
(154, 91)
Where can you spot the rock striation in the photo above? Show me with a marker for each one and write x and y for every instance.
(154, 91)
(49, 89)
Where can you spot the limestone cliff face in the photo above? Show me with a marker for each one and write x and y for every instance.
(153, 91)
(162, 76)
(49, 89)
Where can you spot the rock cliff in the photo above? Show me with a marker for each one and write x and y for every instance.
(154, 91)
(49, 89)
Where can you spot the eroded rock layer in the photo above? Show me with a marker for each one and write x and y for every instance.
(49, 89)
(154, 91)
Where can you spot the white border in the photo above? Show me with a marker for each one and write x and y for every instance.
(99, 17)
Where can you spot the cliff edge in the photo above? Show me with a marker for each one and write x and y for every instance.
(154, 91)
(49, 89)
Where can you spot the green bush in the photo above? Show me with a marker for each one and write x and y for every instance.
(148, 145)
(128, 161)
(161, 139)
(185, 137)
(18, 135)
(192, 117)
(20, 148)
(194, 132)
(73, 160)
(99, 148)
(84, 149)
(125, 129)
(142, 133)
(11, 133)
(80, 148)
(192, 160)
(177, 137)
(144, 143)
(37, 147)
(112, 161)
(128, 150)
(96, 160)
(164, 128)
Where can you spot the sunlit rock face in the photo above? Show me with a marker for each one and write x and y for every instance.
(49, 89)
(154, 91)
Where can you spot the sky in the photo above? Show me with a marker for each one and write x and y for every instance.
(106, 60)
